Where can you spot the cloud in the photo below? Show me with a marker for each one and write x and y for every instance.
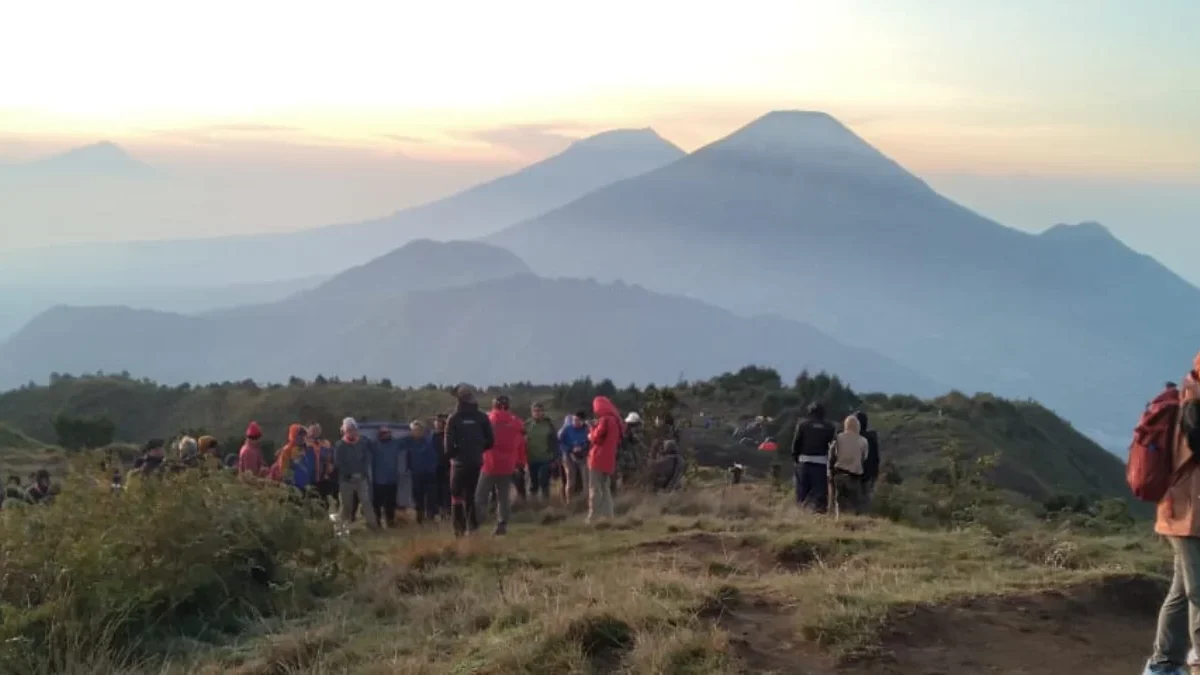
(526, 140)
(401, 138)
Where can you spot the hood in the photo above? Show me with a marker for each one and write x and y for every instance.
(602, 406)
(294, 432)
(499, 414)
(862, 420)
(206, 443)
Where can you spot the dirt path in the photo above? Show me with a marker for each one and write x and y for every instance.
(1101, 629)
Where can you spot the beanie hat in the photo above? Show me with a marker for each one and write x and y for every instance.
(254, 432)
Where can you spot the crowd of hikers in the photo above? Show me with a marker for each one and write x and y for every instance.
(457, 467)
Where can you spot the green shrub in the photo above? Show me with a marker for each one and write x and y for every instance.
(193, 555)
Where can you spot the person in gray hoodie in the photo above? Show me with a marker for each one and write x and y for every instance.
(353, 457)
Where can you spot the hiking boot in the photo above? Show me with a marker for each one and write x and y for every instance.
(501, 529)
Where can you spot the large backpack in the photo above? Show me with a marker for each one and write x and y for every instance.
(1151, 453)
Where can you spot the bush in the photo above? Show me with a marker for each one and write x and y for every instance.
(195, 554)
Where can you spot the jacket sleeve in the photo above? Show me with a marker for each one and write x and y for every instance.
(489, 434)
(798, 440)
(451, 442)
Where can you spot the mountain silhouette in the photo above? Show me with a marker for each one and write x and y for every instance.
(98, 159)
(584, 166)
(795, 214)
(500, 329)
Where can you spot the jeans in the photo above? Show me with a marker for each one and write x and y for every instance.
(811, 486)
(464, 478)
(539, 479)
(575, 476)
(442, 489)
(502, 486)
(1179, 618)
(600, 499)
(352, 491)
(425, 497)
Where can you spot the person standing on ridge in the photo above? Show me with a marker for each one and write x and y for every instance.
(500, 461)
(353, 456)
(871, 463)
(850, 450)
(387, 462)
(604, 438)
(573, 444)
(326, 478)
(810, 451)
(1178, 520)
(295, 464)
(541, 444)
(468, 435)
(250, 457)
(442, 496)
(423, 466)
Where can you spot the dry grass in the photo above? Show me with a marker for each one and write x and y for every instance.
(713, 581)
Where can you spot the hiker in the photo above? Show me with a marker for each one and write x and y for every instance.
(541, 444)
(666, 472)
(423, 467)
(322, 451)
(295, 464)
(630, 456)
(389, 459)
(665, 430)
(153, 458)
(871, 463)
(849, 453)
(810, 452)
(352, 456)
(209, 449)
(605, 437)
(189, 452)
(40, 490)
(443, 468)
(500, 461)
(468, 435)
(573, 452)
(250, 457)
(1178, 520)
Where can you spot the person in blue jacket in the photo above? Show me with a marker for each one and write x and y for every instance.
(423, 465)
(573, 447)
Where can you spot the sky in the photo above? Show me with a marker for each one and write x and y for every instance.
(295, 114)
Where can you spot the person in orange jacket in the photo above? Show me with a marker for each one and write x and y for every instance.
(605, 437)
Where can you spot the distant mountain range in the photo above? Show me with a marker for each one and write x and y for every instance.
(98, 159)
(586, 165)
(433, 328)
(795, 214)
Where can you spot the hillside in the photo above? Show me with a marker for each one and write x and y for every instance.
(1040, 455)
(511, 329)
(21, 455)
(801, 217)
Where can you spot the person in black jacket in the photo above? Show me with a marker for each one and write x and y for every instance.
(442, 484)
(468, 435)
(810, 451)
(871, 463)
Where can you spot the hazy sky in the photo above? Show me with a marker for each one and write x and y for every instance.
(977, 96)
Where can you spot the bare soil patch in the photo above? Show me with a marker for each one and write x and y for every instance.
(1102, 628)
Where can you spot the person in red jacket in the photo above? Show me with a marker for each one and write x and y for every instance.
(604, 438)
(250, 457)
(500, 461)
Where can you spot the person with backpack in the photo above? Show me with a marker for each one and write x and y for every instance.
(468, 435)
(871, 462)
(810, 452)
(1162, 467)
